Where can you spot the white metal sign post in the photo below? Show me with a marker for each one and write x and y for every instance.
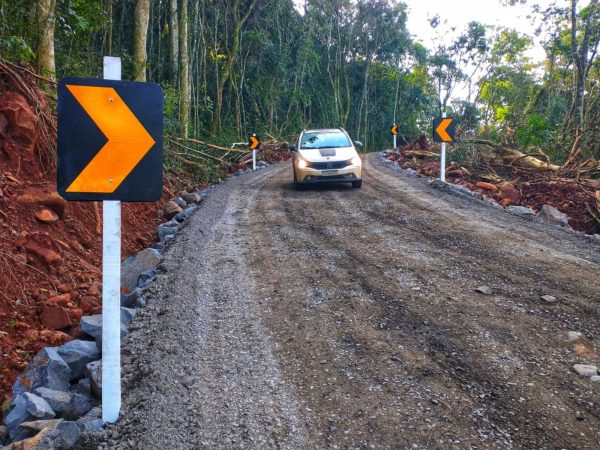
(443, 156)
(111, 289)
(254, 159)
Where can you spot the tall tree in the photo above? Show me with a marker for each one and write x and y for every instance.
(174, 40)
(45, 18)
(238, 23)
(582, 56)
(140, 37)
(184, 69)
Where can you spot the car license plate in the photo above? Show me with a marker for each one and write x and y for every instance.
(329, 172)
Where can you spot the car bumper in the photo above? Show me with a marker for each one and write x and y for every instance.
(347, 174)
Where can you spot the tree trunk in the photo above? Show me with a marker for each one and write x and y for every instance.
(174, 41)
(140, 36)
(184, 69)
(216, 122)
(45, 18)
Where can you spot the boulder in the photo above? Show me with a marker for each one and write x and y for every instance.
(191, 197)
(68, 434)
(17, 414)
(93, 372)
(521, 210)
(58, 400)
(38, 407)
(83, 387)
(39, 425)
(180, 202)
(55, 317)
(146, 278)
(92, 421)
(78, 406)
(130, 300)
(127, 316)
(553, 215)
(92, 326)
(171, 209)
(135, 265)
(47, 369)
(185, 214)
(164, 232)
(77, 354)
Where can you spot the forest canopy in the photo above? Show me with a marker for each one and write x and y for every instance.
(231, 67)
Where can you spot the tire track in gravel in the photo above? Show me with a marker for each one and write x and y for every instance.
(445, 341)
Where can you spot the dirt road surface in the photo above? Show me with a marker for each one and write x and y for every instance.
(349, 318)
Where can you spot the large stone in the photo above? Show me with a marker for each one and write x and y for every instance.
(93, 372)
(131, 300)
(180, 202)
(55, 317)
(17, 414)
(38, 407)
(92, 421)
(521, 210)
(164, 232)
(83, 387)
(77, 354)
(39, 425)
(135, 265)
(47, 369)
(92, 325)
(146, 278)
(171, 209)
(58, 400)
(69, 433)
(191, 197)
(78, 406)
(185, 214)
(485, 290)
(585, 370)
(127, 316)
(553, 215)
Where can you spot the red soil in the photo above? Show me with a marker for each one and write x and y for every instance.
(50, 273)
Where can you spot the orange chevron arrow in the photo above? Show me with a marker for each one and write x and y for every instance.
(254, 142)
(128, 140)
(394, 129)
(441, 130)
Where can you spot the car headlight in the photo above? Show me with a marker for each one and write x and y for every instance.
(356, 161)
(302, 164)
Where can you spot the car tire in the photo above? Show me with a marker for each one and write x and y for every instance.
(299, 186)
(357, 184)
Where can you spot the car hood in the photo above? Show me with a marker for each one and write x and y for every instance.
(327, 154)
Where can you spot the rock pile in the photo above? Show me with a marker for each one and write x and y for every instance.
(58, 395)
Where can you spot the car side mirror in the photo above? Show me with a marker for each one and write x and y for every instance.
(358, 144)
(292, 148)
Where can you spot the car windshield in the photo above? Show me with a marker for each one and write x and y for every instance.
(324, 139)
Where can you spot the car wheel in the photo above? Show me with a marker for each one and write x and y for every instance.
(357, 184)
(299, 186)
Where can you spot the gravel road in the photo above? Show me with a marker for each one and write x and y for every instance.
(349, 318)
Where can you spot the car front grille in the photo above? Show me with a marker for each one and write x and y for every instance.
(328, 165)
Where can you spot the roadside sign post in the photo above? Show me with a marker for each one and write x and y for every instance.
(443, 131)
(111, 289)
(394, 132)
(253, 143)
(443, 157)
(110, 150)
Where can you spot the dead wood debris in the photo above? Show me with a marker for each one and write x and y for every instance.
(517, 178)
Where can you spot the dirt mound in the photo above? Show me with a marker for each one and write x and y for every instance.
(50, 249)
